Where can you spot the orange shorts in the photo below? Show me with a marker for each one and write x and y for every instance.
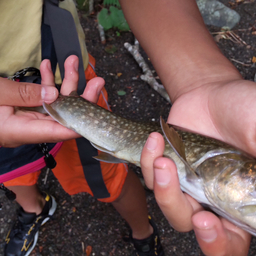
(69, 171)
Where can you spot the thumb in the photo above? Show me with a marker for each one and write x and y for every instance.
(25, 94)
(218, 236)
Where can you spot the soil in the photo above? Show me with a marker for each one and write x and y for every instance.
(81, 221)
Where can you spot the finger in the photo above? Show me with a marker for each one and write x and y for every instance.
(46, 73)
(71, 78)
(25, 94)
(30, 128)
(174, 204)
(154, 148)
(93, 89)
(218, 236)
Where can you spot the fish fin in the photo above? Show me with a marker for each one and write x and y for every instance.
(39, 109)
(73, 93)
(174, 139)
(101, 148)
(177, 145)
(54, 114)
(107, 158)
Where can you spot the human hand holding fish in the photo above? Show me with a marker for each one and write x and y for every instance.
(19, 127)
(212, 172)
(225, 112)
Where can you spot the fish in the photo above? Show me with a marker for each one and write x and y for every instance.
(217, 175)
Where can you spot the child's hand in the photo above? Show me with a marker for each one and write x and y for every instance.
(19, 127)
(216, 236)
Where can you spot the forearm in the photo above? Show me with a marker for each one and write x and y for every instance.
(179, 45)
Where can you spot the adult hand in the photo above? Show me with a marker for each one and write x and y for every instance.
(24, 127)
(216, 110)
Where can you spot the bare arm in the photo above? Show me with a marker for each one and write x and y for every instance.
(178, 43)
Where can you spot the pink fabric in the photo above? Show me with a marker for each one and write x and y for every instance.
(31, 167)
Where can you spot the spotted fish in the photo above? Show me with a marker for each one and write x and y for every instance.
(214, 173)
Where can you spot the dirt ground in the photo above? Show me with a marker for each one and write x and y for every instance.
(81, 221)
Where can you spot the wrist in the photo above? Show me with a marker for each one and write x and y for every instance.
(197, 74)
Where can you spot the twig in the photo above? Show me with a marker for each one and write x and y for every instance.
(102, 34)
(83, 252)
(147, 76)
(239, 62)
(229, 35)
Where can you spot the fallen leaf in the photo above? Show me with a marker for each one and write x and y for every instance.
(121, 93)
(119, 74)
(253, 59)
(88, 250)
(110, 49)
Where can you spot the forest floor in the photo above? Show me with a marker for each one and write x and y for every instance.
(81, 221)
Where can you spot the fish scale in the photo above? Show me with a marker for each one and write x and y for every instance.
(213, 172)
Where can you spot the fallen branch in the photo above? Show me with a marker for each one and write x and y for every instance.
(147, 74)
(102, 33)
(243, 64)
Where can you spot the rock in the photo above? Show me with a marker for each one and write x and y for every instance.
(217, 14)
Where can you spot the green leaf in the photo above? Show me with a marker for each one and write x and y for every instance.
(83, 5)
(121, 93)
(104, 19)
(118, 19)
(112, 2)
(110, 49)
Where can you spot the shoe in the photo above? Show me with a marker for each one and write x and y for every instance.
(150, 246)
(22, 238)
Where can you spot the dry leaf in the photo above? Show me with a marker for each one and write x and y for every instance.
(253, 59)
(88, 250)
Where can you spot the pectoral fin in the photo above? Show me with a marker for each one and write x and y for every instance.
(174, 139)
(177, 145)
(54, 114)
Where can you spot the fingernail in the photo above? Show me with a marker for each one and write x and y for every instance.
(49, 93)
(151, 143)
(76, 65)
(162, 176)
(208, 235)
(49, 66)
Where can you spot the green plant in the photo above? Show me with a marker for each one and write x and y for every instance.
(112, 17)
(111, 2)
(83, 5)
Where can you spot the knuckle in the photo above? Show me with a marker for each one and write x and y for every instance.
(27, 92)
